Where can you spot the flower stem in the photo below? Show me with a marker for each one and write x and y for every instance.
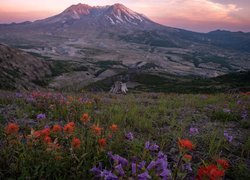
(177, 168)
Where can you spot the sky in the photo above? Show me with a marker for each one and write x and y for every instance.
(195, 15)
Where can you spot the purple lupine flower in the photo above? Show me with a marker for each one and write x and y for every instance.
(123, 161)
(129, 136)
(120, 160)
(104, 173)
(239, 102)
(151, 165)
(114, 157)
(165, 173)
(187, 166)
(133, 168)
(225, 110)
(147, 145)
(108, 175)
(141, 165)
(154, 147)
(120, 170)
(193, 130)
(244, 114)
(95, 170)
(161, 164)
(161, 155)
(111, 176)
(228, 137)
(144, 176)
(151, 147)
(41, 116)
(110, 154)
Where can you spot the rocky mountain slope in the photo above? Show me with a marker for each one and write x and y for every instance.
(20, 70)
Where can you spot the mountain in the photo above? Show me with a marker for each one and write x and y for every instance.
(100, 42)
(82, 17)
(116, 14)
(20, 70)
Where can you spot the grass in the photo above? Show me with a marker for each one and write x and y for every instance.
(155, 117)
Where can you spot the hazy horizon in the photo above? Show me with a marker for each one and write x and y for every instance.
(195, 15)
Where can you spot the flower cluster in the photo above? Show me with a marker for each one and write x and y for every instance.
(51, 135)
(99, 131)
(45, 135)
(161, 166)
(122, 168)
(213, 171)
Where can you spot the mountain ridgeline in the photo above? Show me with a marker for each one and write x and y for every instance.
(104, 42)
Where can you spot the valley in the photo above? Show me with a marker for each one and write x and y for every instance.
(93, 44)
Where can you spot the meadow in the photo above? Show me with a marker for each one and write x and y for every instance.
(48, 135)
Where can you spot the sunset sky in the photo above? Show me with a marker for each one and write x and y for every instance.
(196, 15)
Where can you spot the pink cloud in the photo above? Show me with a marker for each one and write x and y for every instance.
(7, 17)
(201, 15)
(198, 10)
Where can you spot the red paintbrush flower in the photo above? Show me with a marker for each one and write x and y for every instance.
(75, 143)
(102, 142)
(69, 128)
(187, 156)
(185, 143)
(223, 163)
(12, 128)
(113, 127)
(210, 172)
(85, 118)
(96, 130)
(47, 139)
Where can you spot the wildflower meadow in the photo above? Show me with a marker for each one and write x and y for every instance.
(48, 135)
